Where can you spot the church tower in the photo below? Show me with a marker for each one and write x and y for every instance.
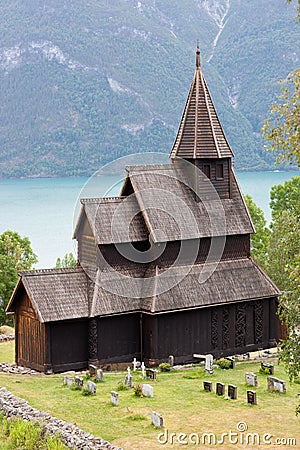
(201, 139)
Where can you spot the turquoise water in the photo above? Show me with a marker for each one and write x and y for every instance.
(43, 208)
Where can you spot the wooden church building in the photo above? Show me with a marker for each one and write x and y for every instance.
(163, 269)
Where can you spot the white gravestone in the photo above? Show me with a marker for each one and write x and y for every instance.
(79, 382)
(92, 387)
(114, 398)
(134, 363)
(99, 375)
(157, 420)
(209, 360)
(143, 369)
(147, 390)
(251, 379)
(69, 381)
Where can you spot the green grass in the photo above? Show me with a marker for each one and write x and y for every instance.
(178, 396)
(7, 351)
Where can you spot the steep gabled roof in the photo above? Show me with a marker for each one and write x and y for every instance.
(200, 133)
(169, 206)
(113, 220)
(56, 294)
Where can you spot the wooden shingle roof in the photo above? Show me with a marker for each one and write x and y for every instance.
(169, 205)
(230, 282)
(200, 134)
(56, 294)
(108, 218)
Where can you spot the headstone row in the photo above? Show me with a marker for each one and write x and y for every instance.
(220, 389)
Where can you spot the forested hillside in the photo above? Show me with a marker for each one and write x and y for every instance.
(85, 82)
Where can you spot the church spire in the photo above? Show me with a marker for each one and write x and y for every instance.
(200, 134)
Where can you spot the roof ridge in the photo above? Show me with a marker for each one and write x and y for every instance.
(101, 199)
(54, 270)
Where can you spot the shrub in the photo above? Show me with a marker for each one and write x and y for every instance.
(138, 390)
(223, 363)
(165, 367)
(86, 392)
(121, 386)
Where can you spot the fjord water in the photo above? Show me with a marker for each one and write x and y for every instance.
(45, 209)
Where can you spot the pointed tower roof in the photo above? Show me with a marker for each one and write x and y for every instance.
(200, 133)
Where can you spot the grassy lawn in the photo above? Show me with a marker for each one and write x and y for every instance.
(178, 396)
(7, 351)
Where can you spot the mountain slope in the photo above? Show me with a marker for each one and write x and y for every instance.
(85, 82)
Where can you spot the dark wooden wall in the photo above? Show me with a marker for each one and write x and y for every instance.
(69, 345)
(118, 338)
(221, 330)
(221, 185)
(86, 245)
(30, 335)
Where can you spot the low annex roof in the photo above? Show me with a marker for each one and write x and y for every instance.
(56, 294)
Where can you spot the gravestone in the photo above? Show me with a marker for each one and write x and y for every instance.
(128, 381)
(92, 370)
(147, 390)
(79, 382)
(143, 369)
(232, 392)
(275, 384)
(209, 359)
(69, 381)
(151, 374)
(92, 387)
(232, 361)
(220, 389)
(251, 378)
(171, 360)
(99, 375)
(251, 397)
(134, 363)
(268, 367)
(114, 398)
(208, 386)
(157, 420)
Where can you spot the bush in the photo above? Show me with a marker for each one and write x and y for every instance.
(86, 392)
(165, 367)
(138, 390)
(121, 386)
(223, 363)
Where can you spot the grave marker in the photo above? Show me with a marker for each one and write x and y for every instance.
(114, 398)
(251, 378)
(232, 361)
(134, 363)
(92, 387)
(275, 384)
(128, 380)
(251, 398)
(150, 373)
(147, 390)
(209, 359)
(268, 367)
(220, 389)
(69, 381)
(232, 392)
(157, 420)
(208, 386)
(79, 382)
(171, 360)
(99, 375)
(92, 370)
(143, 369)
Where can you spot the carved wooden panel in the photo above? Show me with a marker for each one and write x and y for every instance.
(258, 321)
(225, 327)
(240, 325)
(214, 328)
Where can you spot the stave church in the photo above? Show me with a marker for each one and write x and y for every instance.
(163, 269)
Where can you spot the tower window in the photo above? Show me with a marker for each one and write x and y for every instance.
(220, 171)
(206, 170)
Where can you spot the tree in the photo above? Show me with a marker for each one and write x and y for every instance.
(259, 240)
(286, 197)
(68, 260)
(298, 9)
(282, 127)
(15, 254)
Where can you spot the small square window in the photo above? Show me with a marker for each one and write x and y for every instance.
(220, 172)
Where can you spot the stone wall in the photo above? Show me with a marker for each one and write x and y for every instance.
(7, 337)
(72, 436)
